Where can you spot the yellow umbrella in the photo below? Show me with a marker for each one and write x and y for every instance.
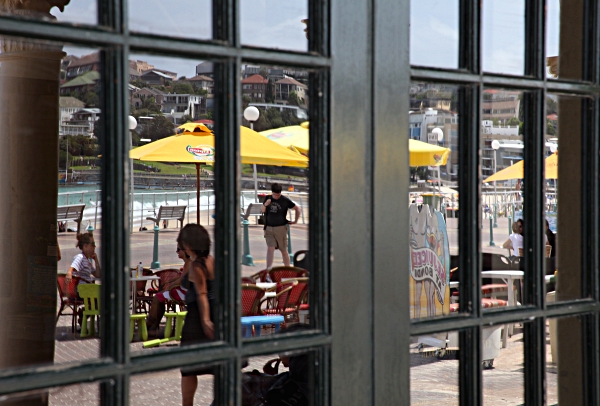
(424, 154)
(516, 171)
(293, 137)
(198, 146)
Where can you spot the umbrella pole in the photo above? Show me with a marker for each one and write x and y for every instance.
(197, 193)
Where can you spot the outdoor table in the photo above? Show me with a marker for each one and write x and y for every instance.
(508, 277)
(134, 290)
(269, 294)
(259, 321)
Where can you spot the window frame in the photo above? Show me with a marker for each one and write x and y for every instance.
(115, 366)
(534, 313)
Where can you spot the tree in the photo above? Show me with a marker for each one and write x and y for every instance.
(513, 121)
(495, 121)
(183, 88)
(157, 128)
(91, 99)
(139, 83)
(293, 99)
(186, 118)
(264, 72)
(245, 101)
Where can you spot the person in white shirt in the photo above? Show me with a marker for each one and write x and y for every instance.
(85, 265)
(515, 240)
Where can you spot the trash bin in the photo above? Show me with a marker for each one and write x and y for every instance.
(550, 298)
(432, 199)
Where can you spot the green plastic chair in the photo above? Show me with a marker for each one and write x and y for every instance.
(90, 293)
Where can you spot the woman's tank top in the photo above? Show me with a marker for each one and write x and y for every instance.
(191, 295)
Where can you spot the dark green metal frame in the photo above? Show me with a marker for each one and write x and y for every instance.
(115, 367)
(534, 311)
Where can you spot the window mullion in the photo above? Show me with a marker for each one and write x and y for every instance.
(115, 228)
(535, 44)
(469, 54)
(469, 242)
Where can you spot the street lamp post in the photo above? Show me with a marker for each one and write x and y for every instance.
(495, 146)
(251, 114)
(132, 125)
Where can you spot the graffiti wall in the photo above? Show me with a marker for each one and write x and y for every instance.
(429, 263)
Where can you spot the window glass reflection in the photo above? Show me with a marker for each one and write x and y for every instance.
(275, 24)
(502, 222)
(504, 36)
(184, 18)
(434, 33)
(279, 379)
(433, 200)
(275, 141)
(173, 151)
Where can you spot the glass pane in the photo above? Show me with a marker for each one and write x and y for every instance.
(279, 379)
(85, 394)
(434, 162)
(173, 149)
(36, 259)
(81, 12)
(503, 376)
(434, 33)
(167, 387)
(564, 40)
(563, 127)
(434, 369)
(62, 11)
(504, 36)
(501, 144)
(274, 179)
(172, 19)
(275, 24)
(565, 379)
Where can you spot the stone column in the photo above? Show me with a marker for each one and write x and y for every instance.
(29, 120)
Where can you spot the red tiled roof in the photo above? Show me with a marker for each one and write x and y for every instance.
(255, 79)
(201, 77)
(290, 81)
(86, 60)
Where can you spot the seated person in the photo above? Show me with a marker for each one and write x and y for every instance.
(270, 388)
(85, 265)
(172, 291)
(515, 240)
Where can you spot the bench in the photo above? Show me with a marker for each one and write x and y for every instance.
(70, 213)
(169, 213)
(254, 209)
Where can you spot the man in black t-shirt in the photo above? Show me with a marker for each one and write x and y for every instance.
(275, 208)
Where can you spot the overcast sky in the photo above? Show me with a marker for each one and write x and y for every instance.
(276, 23)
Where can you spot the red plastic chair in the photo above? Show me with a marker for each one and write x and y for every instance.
(281, 272)
(251, 298)
(69, 299)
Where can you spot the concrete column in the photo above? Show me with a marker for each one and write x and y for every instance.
(29, 119)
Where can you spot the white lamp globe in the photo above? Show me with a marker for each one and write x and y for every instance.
(251, 113)
(495, 144)
(132, 123)
(438, 133)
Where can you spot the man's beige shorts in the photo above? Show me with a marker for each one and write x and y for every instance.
(277, 237)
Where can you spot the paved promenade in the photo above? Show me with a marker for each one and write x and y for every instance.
(433, 381)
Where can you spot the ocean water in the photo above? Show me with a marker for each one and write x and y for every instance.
(146, 202)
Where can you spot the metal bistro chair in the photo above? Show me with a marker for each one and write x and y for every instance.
(281, 272)
(260, 276)
(282, 298)
(69, 299)
(251, 299)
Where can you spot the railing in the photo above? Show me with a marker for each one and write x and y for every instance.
(147, 204)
